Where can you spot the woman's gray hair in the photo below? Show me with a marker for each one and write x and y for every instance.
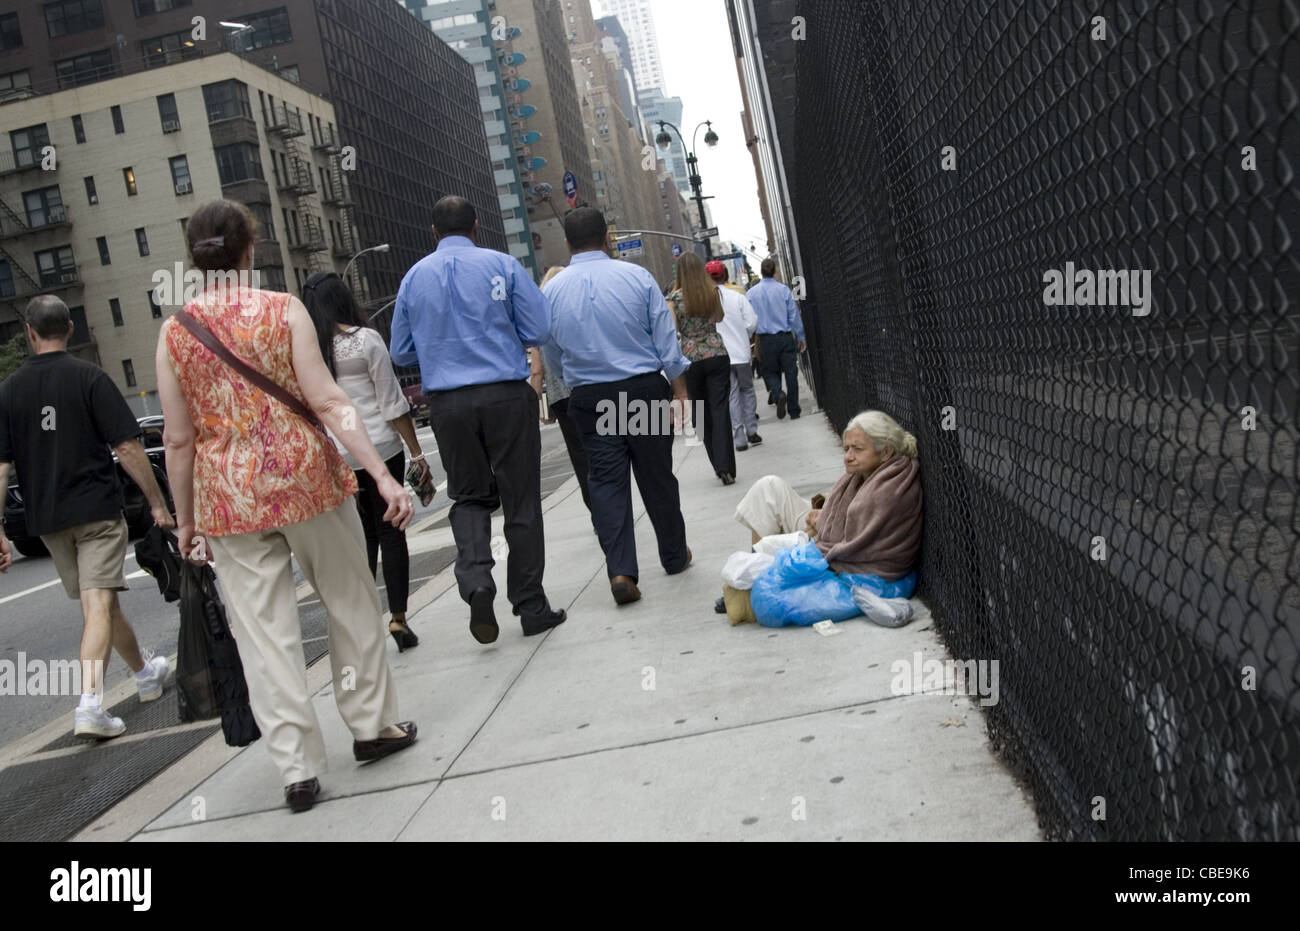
(883, 431)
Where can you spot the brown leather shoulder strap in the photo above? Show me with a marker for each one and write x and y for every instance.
(207, 338)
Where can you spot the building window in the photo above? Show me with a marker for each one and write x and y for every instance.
(15, 83)
(265, 225)
(239, 162)
(118, 126)
(56, 266)
(11, 36)
(290, 73)
(6, 279)
(226, 100)
(28, 143)
(44, 207)
(142, 241)
(64, 17)
(85, 69)
(272, 278)
(155, 309)
(169, 49)
(128, 175)
(115, 308)
(78, 129)
(128, 372)
(104, 258)
(269, 28)
(150, 7)
(91, 196)
(167, 113)
(181, 174)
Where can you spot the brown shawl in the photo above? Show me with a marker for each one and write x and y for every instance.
(872, 525)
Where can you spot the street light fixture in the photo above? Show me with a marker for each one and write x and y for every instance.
(664, 141)
(382, 247)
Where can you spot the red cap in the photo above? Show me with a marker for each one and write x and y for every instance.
(715, 269)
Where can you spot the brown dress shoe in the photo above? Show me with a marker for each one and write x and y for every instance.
(365, 751)
(302, 795)
(624, 589)
(689, 557)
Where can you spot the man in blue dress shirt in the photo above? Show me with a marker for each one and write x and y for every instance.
(464, 314)
(780, 339)
(612, 341)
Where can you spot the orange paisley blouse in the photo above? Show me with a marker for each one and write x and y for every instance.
(257, 464)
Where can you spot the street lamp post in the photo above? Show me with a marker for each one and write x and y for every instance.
(382, 247)
(663, 140)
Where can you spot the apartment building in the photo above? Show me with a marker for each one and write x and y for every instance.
(626, 187)
(467, 26)
(540, 32)
(408, 110)
(97, 182)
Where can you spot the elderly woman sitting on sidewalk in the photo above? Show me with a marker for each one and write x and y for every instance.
(868, 532)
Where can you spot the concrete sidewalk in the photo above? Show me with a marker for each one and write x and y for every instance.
(656, 721)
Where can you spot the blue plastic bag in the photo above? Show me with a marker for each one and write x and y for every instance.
(801, 589)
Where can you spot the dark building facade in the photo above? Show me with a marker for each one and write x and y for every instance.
(409, 122)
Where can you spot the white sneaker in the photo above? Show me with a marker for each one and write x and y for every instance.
(149, 681)
(96, 722)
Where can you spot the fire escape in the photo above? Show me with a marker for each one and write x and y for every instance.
(298, 181)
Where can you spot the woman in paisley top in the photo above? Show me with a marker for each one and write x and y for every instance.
(698, 310)
(256, 485)
(358, 359)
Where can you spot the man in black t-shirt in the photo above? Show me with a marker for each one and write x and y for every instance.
(58, 418)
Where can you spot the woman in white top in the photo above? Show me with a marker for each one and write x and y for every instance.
(359, 361)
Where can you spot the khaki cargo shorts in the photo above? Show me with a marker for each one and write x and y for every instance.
(89, 556)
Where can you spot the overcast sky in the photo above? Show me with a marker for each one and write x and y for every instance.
(696, 56)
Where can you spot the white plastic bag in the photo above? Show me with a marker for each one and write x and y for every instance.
(743, 568)
(773, 544)
(887, 612)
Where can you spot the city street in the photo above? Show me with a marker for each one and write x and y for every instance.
(38, 619)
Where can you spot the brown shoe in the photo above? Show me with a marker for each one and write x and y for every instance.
(624, 589)
(301, 796)
(365, 751)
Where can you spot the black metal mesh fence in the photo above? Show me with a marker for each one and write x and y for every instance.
(1110, 487)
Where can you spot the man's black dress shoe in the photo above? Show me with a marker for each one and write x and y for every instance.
(482, 619)
(540, 623)
(302, 795)
(367, 751)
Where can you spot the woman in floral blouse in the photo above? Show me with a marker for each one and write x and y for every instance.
(698, 310)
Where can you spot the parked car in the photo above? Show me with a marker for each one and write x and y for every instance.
(135, 506)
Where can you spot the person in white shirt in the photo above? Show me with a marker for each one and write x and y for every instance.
(358, 359)
(737, 329)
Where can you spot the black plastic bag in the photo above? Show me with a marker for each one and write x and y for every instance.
(159, 554)
(209, 675)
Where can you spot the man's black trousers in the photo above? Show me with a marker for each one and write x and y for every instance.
(490, 446)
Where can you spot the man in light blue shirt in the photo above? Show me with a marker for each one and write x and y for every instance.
(613, 341)
(780, 339)
(465, 315)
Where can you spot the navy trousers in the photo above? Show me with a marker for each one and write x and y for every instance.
(646, 450)
(780, 353)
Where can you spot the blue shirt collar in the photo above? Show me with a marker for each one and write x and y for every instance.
(593, 256)
(456, 242)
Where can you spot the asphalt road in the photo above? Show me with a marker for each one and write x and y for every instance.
(38, 619)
